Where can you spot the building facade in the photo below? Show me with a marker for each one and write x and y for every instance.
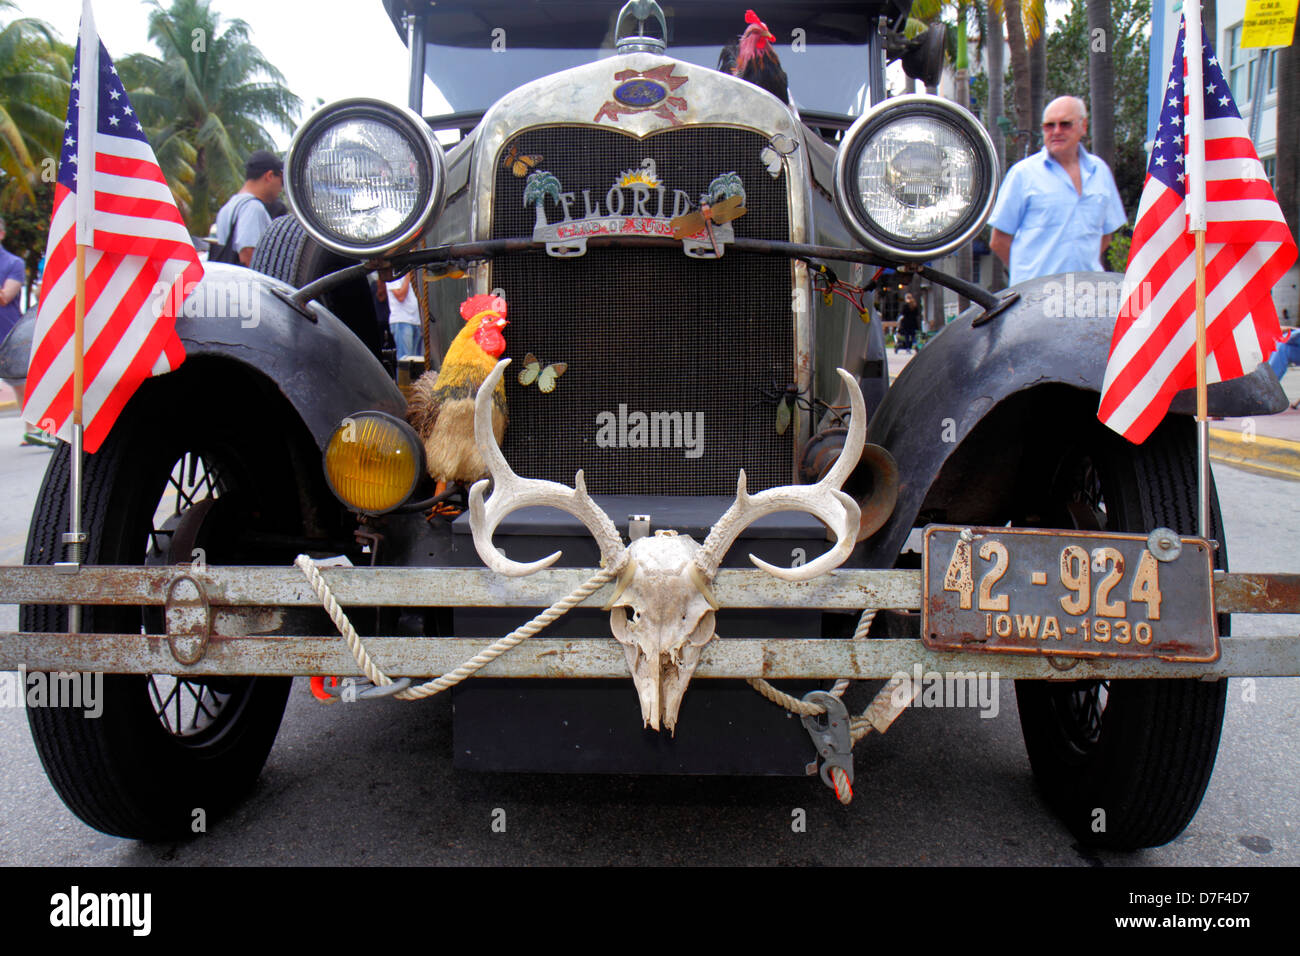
(1251, 74)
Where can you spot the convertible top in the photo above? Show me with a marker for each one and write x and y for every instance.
(568, 24)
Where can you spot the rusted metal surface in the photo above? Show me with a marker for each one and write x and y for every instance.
(1073, 594)
(603, 657)
(269, 588)
(891, 700)
(189, 619)
(261, 591)
(435, 587)
(1257, 593)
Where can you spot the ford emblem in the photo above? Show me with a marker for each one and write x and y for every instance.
(640, 93)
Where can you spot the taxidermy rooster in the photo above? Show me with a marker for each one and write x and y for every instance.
(752, 57)
(441, 404)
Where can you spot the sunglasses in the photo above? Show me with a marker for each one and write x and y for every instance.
(1064, 125)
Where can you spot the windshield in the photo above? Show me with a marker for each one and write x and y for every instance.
(825, 77)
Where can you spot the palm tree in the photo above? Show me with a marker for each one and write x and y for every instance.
(539, 185)
(1101, 80)
(1037, 82)
(995, 109)
(215, 90)
(176, 154)
(1024, 29)
(965, 257)
(34, 82)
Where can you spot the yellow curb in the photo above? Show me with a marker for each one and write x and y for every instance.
(7, 406)
(1262, 454)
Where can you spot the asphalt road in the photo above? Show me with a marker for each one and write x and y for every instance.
(373, 784)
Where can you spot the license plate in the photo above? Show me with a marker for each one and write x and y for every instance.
(1073, 593)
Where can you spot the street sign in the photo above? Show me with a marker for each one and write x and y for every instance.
(1268, 23)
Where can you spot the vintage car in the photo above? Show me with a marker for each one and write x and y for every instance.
(699, 255)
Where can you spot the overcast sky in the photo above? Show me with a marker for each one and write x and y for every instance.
(329, 49)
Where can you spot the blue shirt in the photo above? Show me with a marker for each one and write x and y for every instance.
(1053, 227)
(11, 267)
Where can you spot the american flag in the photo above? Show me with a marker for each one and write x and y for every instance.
(1248, 248)
(140, 259)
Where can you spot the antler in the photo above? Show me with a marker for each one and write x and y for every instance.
(824, 500)
(511, 492)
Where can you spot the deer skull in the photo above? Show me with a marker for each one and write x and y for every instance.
(670, 621)
(662, 611)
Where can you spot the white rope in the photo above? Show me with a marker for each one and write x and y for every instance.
(474, 664)
(803, 708)
(859, 727)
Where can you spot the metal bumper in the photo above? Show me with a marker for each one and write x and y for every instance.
(236, 620)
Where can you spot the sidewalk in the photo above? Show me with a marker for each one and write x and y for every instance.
(1265, 444)
(8, 401)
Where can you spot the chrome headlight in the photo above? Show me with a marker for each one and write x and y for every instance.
(364, 177)
(915, 177)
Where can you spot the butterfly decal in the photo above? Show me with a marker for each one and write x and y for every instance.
(518, 163)
(773, 154)
(544, 377)
(719, 214)
(722, 202)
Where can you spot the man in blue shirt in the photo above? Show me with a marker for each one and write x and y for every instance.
(13, 273)
(243, 215)
(1058, 208)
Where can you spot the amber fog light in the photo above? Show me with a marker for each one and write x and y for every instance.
(373, 462)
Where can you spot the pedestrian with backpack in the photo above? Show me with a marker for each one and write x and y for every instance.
(244, 218)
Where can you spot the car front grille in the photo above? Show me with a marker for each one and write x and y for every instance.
(647, 330)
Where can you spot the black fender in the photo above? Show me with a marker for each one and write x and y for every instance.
(1034, 369)
(319, 365)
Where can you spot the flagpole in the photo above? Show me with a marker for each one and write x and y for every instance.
(75, 538)
(1202, 401)
(86, 97)
(1196, 220)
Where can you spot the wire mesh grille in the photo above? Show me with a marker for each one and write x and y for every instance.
(667, 355)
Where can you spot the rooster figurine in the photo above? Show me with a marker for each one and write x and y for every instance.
(441, 405)
(752, 57)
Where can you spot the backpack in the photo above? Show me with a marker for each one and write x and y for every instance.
(223, 251)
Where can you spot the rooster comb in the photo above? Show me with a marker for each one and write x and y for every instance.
(752, 17)
(479, 304)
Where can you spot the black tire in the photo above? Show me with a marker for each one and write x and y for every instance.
(287, 253)
(1125, 763)
(138, 770)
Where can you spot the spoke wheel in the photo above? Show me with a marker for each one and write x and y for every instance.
(178, 487)
(1125, 763)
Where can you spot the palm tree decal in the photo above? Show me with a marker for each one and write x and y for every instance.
(726, 186)
(541, 184)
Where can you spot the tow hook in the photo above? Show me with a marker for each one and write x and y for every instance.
(830, 735)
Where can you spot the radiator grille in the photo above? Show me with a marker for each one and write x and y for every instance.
(648, 330)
